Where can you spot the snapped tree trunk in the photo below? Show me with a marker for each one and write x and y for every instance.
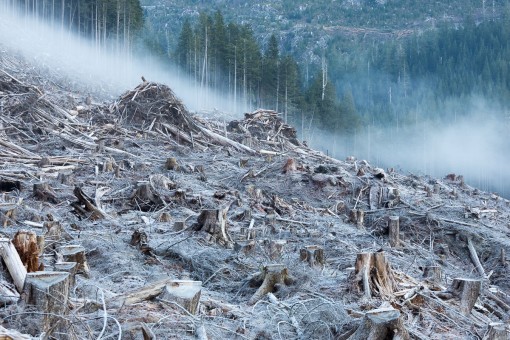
(27, 247)
(214, 224)
(466, 290)
(373, 275)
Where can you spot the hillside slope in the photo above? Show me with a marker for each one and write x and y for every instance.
(155, 194)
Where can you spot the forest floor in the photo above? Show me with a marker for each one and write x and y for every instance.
(274, 231)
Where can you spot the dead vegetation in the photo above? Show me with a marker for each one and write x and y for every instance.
(138, 220)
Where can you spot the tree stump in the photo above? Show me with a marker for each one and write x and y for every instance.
(43, 192)
(394, 231)
(497, 331)
(171, 164)
(26, 244)
(165, 217)
(467, 290)
(13, 263)
(433, 273)
(179, 225)
(85, 205)
(274, 248)
(75, 253)
(68, 267)
(246, 247)
(145, 197)
(49, 293)
(185, 293)
(271, 276)
(373, 275)
(65, 178)
(289, 166)
(357, 216)
(314, 255)
(381, 324)
(214, 223)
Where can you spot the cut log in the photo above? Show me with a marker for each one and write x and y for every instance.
(184, 293)
(214, 223)
(43, 192)
(497, 331)
(467, 290)
(13, 263)
(272, 275)
(373, 275)
(49, 293)
(394, 231)
(26, 244)
(75, 253)
(381, 324)
(314, 255)
(357, 216)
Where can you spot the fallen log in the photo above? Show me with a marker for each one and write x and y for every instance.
(9, 334)
(43, 192)
(13, 263)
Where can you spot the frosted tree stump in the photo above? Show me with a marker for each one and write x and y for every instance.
(466, 290)
(27, 247)
(185, 293)
(373, 275)
(68, 267)
(433, 273)
(314, 255)
(394, 231)
(271, 276)
(75, 253)
(48, 292)
(171, 164)
(497, 331)
(145, 197)
(275, 248)
(13, 263)
(214, 224)
(381, 324)
(357, 216)
(43, 192)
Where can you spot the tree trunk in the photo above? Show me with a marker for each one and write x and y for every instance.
(185, 293)
(357, 216)
(433, 273)
(381, 324)
(49, 293)
(13, 263)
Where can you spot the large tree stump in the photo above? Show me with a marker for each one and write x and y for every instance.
(49, 293)
(314, 255)
(394, 230)
(43, 192)
(26, 244)
(271, 276)
(13, 263)
(214, 223)
(497, 331)
(75, 253)
(381, 324)
(185, 293)
(373, 275)
(467, 290)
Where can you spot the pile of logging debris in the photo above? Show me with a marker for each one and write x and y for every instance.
(158, 224)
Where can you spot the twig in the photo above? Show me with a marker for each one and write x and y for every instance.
(105, 316)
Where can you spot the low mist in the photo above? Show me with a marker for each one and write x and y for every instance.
(474, 145)
(86, 67)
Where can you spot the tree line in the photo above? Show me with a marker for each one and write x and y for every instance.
(229, 58)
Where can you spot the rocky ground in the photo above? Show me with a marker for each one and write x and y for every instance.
(269, 238)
